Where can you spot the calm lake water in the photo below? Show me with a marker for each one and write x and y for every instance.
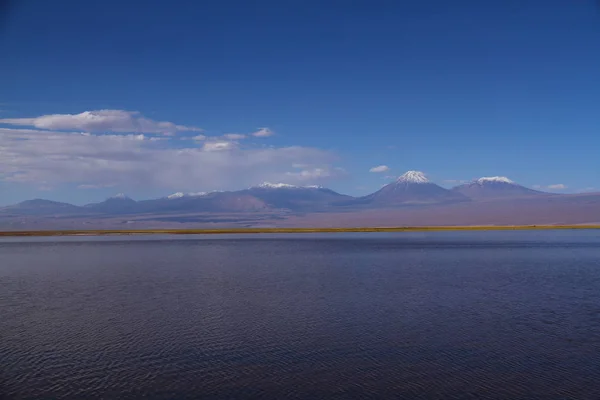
(440, 315)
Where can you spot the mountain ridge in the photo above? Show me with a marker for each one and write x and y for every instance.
(412, 188)
(495, 187)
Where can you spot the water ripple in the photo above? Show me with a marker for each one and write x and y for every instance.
(438, 318)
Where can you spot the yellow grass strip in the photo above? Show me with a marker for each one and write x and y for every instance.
(288, 230)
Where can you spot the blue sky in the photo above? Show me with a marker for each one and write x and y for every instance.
(457, 89)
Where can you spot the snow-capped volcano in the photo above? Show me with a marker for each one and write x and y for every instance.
(491, 187)
(412, 187)
(413, 177)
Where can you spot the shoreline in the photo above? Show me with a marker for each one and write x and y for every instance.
(102, 232)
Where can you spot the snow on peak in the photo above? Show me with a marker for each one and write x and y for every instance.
(413, 177)
(267, 185)
(487, 179)
(179, 195)
(120, 196)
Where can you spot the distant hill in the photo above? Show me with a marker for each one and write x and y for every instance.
(119, 204)
(203, 202)
(495, 187)
(41, 207)
(295, 198)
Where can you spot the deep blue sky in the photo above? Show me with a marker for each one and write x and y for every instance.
(457, 89)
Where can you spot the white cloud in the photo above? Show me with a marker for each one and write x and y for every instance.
(101, 121)
(218, 146)
(263, 132)
(234, 136)
(380, 168)
(199, 137)
(88, 160)
(557, 186)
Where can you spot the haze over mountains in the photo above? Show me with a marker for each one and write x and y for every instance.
(410, 198)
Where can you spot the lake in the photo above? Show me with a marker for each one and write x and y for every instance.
(435, 315)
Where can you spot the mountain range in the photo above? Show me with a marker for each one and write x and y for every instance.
(410, 194)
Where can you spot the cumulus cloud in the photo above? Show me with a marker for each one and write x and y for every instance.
(90, 160)
(263, 132)
(380, 168)
(118, 121)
